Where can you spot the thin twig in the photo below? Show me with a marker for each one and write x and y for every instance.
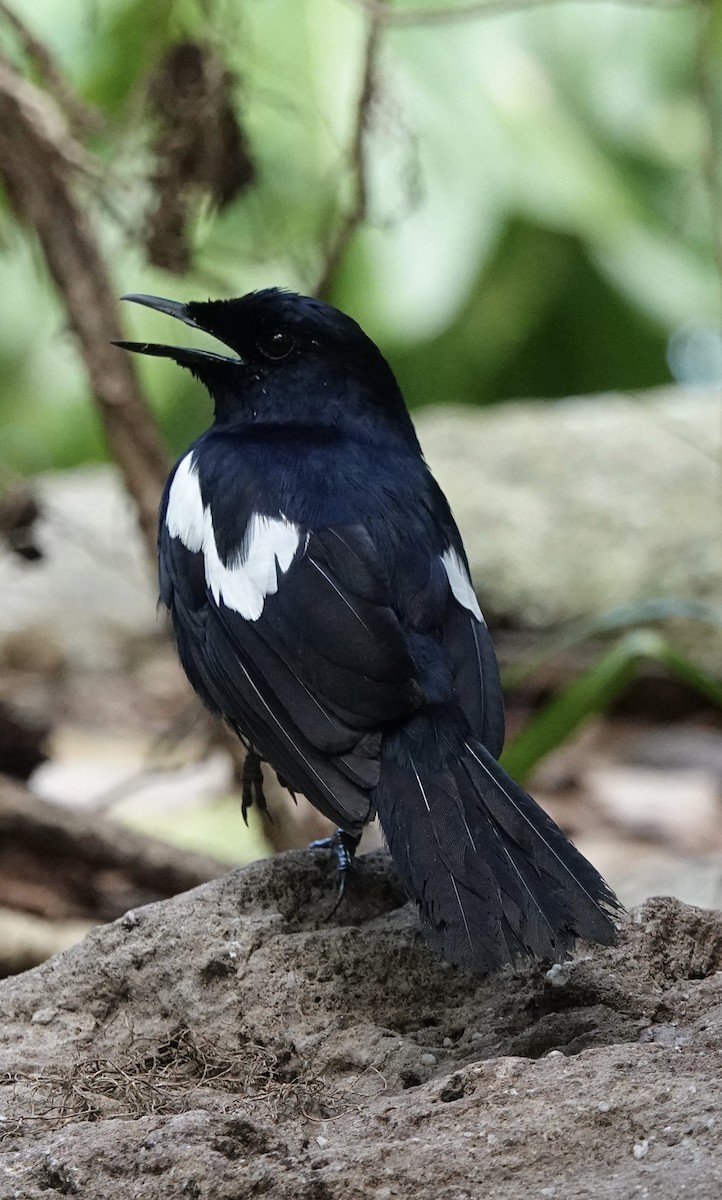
(39, 162)
(359, 168)
(470, 9)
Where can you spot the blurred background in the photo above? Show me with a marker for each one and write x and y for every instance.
(522, 204)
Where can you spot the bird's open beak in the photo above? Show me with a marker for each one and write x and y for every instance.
(185, 356)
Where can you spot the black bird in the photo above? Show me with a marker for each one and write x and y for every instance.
(322, 604)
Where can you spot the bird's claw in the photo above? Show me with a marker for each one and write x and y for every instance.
(282, 783)
(343, 846)
(252, 786)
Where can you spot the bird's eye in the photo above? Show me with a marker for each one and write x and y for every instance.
(276, 344)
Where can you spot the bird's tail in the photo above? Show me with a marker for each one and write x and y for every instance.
(493, 877)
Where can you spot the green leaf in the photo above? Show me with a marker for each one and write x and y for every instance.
(594, 691)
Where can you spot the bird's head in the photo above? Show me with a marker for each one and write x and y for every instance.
(295, 360)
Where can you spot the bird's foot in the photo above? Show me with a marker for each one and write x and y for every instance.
(252, 787)
(343, 846)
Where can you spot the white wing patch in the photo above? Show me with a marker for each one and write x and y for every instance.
(185, 517)
(268, 548)
(460, 583)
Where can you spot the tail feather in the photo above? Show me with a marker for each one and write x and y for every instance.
(493, 877)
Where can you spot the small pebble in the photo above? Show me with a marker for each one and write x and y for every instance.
(603, 1106)
(429, 1060)
(44, 1016)
(558, 975)
(322, 1141)
(640, 1148)
(447, 1043)
(549, 1191)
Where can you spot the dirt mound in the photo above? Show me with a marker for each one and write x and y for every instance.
(228, 1043)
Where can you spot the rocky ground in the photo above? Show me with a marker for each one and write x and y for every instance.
(230, 1043)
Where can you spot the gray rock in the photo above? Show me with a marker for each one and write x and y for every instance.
(572, 508)
(291, 1066)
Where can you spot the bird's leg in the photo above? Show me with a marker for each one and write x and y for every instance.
(343, 845)
(252, 786)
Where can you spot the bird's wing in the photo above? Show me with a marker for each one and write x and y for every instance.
(310, 642)
(295, 643)
(469, 643)
(464, 630)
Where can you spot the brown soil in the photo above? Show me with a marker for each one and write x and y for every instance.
(229, 1044)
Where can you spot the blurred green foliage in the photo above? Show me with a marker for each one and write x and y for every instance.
(538, 214)
(595, 690)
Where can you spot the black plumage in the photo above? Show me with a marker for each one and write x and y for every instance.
(321, 603)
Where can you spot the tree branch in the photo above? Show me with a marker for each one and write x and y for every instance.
(358, 210)
(82, 118)
(60, 862)
(39, 162)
